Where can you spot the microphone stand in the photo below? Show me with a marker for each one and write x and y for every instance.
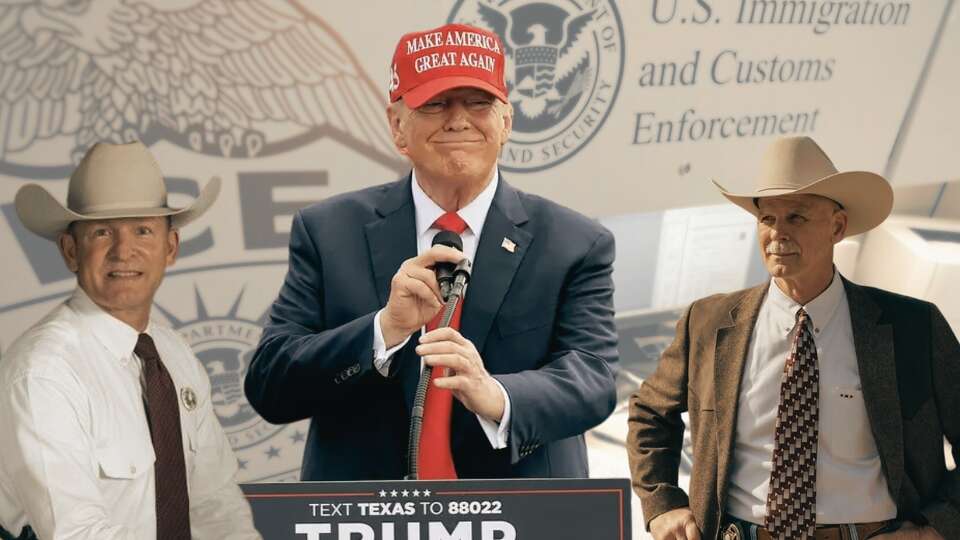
(458, 289)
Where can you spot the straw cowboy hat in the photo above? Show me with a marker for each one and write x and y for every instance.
(796, 166)
(112, 181)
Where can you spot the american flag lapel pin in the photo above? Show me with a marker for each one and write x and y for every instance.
(508, 245)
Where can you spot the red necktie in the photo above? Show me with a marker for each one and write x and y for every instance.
(435, 461)
(163, 416)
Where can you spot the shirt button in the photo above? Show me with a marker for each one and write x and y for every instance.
(133, 470)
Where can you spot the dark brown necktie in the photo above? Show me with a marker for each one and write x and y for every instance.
(792, 497)
(170, 471)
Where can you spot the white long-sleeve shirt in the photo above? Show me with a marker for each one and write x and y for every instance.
(851, 487)
(475, 215)
(77, 457)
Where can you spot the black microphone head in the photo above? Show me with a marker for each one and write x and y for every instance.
(449, 239)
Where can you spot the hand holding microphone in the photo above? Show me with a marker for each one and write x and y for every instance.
(415, 291)
(445, 270)
(466, 377)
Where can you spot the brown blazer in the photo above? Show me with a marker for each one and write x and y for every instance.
(909, 363)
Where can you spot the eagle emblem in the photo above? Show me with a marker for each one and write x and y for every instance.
(232, 78)
(565, 63)
(551, 60)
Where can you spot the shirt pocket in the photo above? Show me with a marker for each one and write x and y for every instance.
(125, 460)
(845, 427)
(210, 460)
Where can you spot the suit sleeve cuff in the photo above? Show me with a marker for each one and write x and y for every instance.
(382, 357)
(663, 499)
(497, 434)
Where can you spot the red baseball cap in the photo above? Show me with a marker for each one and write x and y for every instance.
(451, 56)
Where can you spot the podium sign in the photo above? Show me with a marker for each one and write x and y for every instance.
(598, 509)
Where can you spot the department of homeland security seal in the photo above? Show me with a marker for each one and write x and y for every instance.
(567, 63)
(225, 346)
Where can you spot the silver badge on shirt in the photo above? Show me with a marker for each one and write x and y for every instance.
(189, 398)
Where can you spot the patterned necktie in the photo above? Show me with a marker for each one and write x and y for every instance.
(435, 461)
(792, 496)
(170, 471)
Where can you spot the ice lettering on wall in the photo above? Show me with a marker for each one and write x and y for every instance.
(239, 88)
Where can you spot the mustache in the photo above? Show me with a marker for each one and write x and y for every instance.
(781, 248)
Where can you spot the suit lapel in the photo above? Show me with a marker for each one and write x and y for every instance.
(733, 343)
(873, 342)
(495, 265)
(391, 240)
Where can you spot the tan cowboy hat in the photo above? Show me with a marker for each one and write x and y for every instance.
(112, 181)
(796, 165)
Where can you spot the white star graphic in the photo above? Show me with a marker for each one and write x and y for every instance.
(426, 493)
(406, 493)
(416, 493)
(383, 493)
(393, 493)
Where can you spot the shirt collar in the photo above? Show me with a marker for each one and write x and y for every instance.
(474, 214)
(820, 309)
(117, 336)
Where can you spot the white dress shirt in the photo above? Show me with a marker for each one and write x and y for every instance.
(851, 487)
(77, 453)
(474, 214)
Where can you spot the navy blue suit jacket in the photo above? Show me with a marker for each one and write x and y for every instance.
(541, 318)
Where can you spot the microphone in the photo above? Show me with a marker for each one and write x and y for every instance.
(453, 280)
(461, 277)
(445, 270)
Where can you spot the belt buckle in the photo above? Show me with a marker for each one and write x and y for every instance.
(732, 532)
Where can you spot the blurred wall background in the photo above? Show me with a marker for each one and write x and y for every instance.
(643, 104)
